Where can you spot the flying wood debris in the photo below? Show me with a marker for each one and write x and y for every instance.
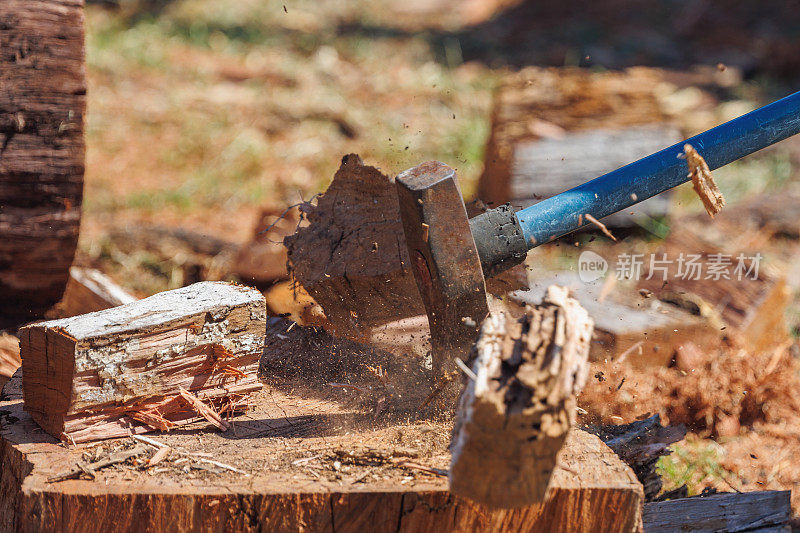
(702, 181)
(600, 225)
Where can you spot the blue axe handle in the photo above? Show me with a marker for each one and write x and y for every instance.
(626, 186)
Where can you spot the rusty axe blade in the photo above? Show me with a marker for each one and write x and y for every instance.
(444, 259)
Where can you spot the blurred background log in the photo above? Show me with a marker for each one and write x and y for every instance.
(42, 103)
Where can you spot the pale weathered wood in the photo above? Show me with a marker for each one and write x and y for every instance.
(749, 511)
(594, 491)
(42, 103)
(112, 372)
(553, 129)
(514, 414)
(626, 323)
(89, 290)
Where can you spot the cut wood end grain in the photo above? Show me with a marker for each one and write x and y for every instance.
(513, 419)
(703, 182)
(121, 370)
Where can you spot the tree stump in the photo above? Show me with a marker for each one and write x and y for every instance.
(302, 464)
(42, 103)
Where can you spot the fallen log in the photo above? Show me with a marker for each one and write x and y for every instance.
(121, 370)
(554, 129)
(519, 403)
(747, 511)
(629, 324)
(42, 104)
(324, 481)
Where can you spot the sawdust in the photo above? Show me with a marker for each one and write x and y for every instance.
(703, 182)
(723, 394)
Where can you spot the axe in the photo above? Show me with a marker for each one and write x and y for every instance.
(451, 255)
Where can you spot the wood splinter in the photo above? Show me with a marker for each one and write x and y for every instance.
(514, 418)
(703, 182)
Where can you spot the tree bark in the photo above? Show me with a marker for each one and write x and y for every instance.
(42, 104)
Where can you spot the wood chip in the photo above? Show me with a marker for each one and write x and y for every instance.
(160, 455)
(600, 225)
(204, 410)
(702, 181)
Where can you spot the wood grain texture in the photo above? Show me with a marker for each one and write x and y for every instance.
(42, 104)
(513, 417)
(553, 129)
(594, 491)
(748, 511)
(99, 375)
(352, 258)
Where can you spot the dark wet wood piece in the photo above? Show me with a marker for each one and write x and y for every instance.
(42, 104)
(640, 444)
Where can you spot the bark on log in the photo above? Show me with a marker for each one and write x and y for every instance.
(514, 415)
(594, 491)
(553, 129)
(42, 103)
(626, 323)
(749, 511)
(117, 371)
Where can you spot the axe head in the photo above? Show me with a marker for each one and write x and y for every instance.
(444, 260)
